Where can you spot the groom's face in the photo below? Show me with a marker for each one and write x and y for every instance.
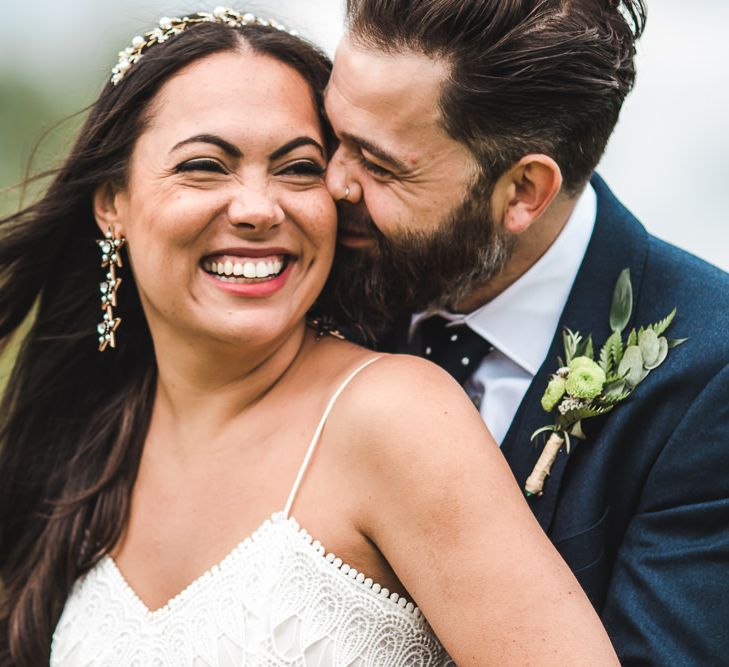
(417, 229)
(405, 174)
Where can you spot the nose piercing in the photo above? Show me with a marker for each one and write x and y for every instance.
(346, 192)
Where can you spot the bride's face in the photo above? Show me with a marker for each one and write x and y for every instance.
(229, 226)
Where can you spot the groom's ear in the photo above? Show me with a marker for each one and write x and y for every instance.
(525, 191)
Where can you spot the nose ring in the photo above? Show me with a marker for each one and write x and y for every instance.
(346, 192)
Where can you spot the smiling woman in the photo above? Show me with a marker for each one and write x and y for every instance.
(226, 178)
(135, 482)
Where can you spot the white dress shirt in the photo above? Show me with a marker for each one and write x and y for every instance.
(521, 321)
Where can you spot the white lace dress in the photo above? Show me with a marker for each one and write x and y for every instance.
(277, 599)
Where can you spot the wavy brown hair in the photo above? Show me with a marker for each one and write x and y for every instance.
(73, 421)
(526, 76)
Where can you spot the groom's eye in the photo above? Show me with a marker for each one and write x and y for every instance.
(374, 168)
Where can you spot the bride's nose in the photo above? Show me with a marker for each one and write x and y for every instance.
(255, 208)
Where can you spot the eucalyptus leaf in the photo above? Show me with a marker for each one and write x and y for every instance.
(622, 305)
(631, 366)
(662, 354)
(632, 338)
(649, 347)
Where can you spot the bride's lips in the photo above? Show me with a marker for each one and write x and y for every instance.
(249, 272)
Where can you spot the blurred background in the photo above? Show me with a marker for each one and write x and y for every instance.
(666, 160)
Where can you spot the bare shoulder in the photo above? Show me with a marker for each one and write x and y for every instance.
(402, 406)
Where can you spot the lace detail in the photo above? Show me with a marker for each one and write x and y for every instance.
(276, 599)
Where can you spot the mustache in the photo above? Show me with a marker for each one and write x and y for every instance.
(355, 220)
(414, 269)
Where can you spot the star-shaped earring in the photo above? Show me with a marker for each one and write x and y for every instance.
(106, 329)
(110, 246)
(108, 290)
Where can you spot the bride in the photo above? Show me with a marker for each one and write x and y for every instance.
(224, 483)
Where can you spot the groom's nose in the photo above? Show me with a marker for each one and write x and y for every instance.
(340, 180)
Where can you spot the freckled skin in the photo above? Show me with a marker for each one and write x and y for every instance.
(173, 218)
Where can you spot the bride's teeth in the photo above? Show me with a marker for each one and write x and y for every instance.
(229, 270)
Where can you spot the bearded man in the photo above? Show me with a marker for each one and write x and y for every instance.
(474, 222)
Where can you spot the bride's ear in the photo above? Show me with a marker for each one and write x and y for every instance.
(525, 192)
(109, 205)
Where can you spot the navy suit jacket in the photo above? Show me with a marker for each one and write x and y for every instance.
(640, 509)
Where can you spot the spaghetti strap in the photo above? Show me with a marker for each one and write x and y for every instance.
(317, 434)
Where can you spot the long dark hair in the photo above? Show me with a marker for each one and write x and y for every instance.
(526, 76)
(72, 420)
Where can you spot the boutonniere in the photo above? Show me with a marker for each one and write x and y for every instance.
(585, 387)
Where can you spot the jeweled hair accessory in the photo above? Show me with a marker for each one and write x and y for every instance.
(169, 27)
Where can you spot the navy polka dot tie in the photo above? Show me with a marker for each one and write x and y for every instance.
(454, 347)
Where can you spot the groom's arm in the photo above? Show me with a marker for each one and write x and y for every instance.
(668, 601)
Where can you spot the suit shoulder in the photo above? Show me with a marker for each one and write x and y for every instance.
(697, 289)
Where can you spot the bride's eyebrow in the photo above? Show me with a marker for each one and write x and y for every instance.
(221, 143)
(296, 143)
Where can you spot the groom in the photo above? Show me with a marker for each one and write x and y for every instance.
(469, 133)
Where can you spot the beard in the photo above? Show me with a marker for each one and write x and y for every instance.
(415, 271)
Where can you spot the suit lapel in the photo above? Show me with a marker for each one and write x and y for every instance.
(618, 242)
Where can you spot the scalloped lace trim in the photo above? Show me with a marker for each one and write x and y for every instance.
(278, 598)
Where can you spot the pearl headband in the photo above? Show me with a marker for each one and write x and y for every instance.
(169, 27)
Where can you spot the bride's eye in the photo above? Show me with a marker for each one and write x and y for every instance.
(302, 168)
(201, 164)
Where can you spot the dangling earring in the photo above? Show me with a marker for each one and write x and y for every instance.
(111, 258)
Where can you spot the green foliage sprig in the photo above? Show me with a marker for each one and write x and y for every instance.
(585, 386)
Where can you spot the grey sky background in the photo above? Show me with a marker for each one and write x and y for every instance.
(667, 160)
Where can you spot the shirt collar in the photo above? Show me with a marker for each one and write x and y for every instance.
(521, 321)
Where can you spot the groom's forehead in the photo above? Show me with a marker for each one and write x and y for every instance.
(397, 86)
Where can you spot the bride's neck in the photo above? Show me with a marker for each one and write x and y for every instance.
(203, 387)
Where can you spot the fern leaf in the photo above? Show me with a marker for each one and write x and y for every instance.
(611, 353)
(614, 398)
(660, 327)
(573, 416)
